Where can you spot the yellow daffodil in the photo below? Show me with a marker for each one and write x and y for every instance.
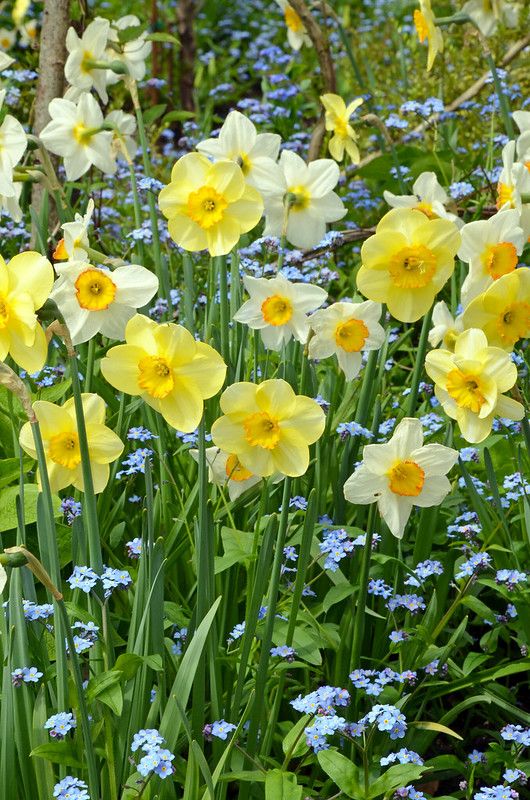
(338, 120)
(209, 205)
(168, 368)
(470, 382)
(25, 285)
(401, 474)
(503, 311)
(296, 32)
(445, 327)
(427, 31)
(407, 261)
(58, 428)
(268, 427)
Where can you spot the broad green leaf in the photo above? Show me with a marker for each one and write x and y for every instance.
(281, 786)
(59, 753)
(296, 734)
(128, 664)
(8, 513)
(237, 549)
(163, 37)
(394, 777)
(336, 594)
(342, 772)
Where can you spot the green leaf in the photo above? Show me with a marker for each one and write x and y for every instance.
(296, 735)
(153, 113)
(336, 594)
(435, 726)
(8, 513)
(54, 393)
(58, 752)
(163, 37)
(342, 772)
(398, 775)
(281, 786)
(237, 548)
(103, 687)
(128, 664)
(177, 116)
(130, 34)
(154, 662)
(10, 470)
(472, 661)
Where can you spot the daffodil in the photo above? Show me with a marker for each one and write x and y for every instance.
(225, 469)
(95, 300)
(18, 13)
(10, 205)
(514, 180)
(346, 330)
(13, 143)
(7, 38)
(300, 199)
(445, 328)
(296, 32)
(470, 384)
(492, 248)
(407, 261)
(75, 133)
(256, 153)
(338, 115)
(124, 126)
(401, 474)
(209, 205)
(424, 21)
(75, 244)
(167, 368)
(25, 285)
(268, 427)
(3, 578)
(80, 69)
(487, 14)
(58, 426)
(503, 310)
(5, 61)
(428, 196)
(133, 53)
(279, 308)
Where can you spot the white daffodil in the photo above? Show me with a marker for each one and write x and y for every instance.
(346, 330)
(13, 143)
(80, 70)
(7, 38)
(487, 14)
(279, 308)
(401, 474)
(10, 205)
(492, 248)
(429, 197)
(514, 180)
(74, 244)
(94, 300)
(225, 469)
(133, 53)
(5, 61)
(302, 195)
(125, 127)
(256, 153)
(296, 32)
(3, 578)
(445, 328)
(75, 133)
(522, 120)
(29, 32)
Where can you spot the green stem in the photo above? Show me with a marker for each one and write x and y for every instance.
(224, 309)
(418, 364)
(188, 292)
(358, 627)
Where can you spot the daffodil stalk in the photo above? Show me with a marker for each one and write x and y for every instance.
(187, 266)
(360, 612)
(418, 364)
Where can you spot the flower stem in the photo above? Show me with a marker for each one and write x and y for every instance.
(359, 622)
(418, 364)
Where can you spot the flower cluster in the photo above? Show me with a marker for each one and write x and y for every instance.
(156, 759)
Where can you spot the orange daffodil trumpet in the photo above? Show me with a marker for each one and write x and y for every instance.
(346, 330)
(167, 368)
(470, 384)
(337, 120)
(75, 244)
(60, 438)
(225, 469)
(428, 196)
(407, 261)
(278, 309)
(503, 311)
(25, 285)
(401, 474)
(427, 31)
(209, 205)
(268, 427)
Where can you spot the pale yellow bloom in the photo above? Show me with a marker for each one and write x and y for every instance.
(503, 310)
(338, 121)
(268, 427)
(296, 32)
(58, 427)
(428, 32)
(445, 327)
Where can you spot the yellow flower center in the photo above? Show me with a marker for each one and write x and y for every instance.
(4, 313)
(412, 267)
(244, 162)
(85, 62)
(426, 208)
(277, 310)
(449, 339)
(499, 259)
(95, 290)
(422, 29)
(466, 390)
(292, 20)
(206, 207)
(527, 165)
(406, 478)
(235, 470)
(300, 198)
(504, 195)
(262, 430)
(340, 127)
(64, 449)
(351, 335)
(514, 322)
(156, 376)
(5, 43)
(82, 134)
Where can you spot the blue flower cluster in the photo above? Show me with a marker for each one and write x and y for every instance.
(218, 729)
(476, 563)
(411, 602)
(134, 547)
(71, 509)
(402, 756)
(70, 788)
(337, 545)
(510, 578)
(60, 724)
(179, 640)
(157, 759)
(373, 681)
(33, 611)
(284, 651)
(516, 733)
(25, 675)
(423, 571)
(84, 578)
(135, 462)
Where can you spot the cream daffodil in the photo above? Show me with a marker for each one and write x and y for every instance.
(13, 144)
(296, 32)
(132, 53)
(75, 244)
(58, 427)
(487, 14)
(7, 38)
(3, 578)
(268, 427)
(300, 199)
(209, 205)
(346, 330)
(407, 261)
(279, 308)
(337, 120)
(514, 180)
(95, 300)
(492, 248)
(503, 310)
(256, 153)
(470, 384)
(429, 197)
(445, 327)
(424, 21)
(167, 368)
(25, 285)
(80, 69)
(401, 474)
(225, 469)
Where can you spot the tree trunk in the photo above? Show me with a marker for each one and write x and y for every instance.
(186, 19)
